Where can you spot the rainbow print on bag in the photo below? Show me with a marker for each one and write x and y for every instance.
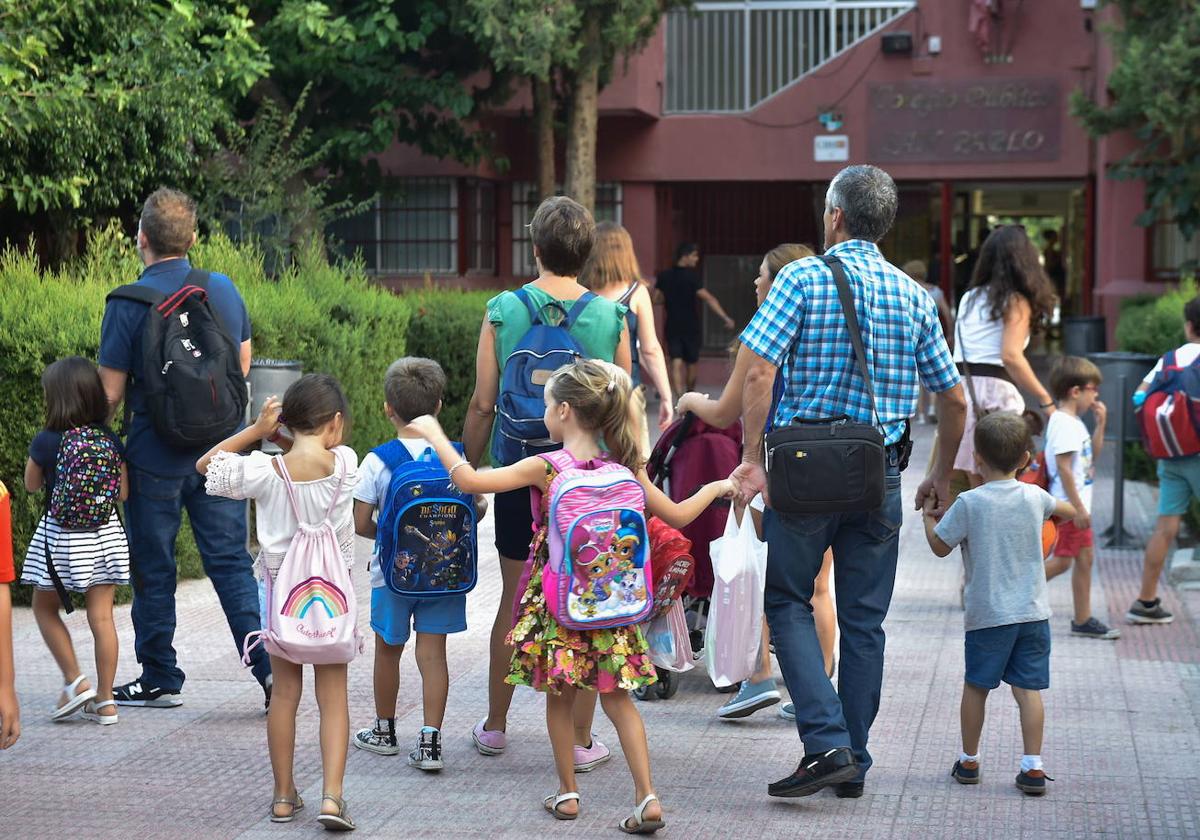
(315, 590)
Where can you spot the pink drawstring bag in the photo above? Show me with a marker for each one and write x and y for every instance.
(311, 609)
(734, 632)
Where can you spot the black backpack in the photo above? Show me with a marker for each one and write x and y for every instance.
(191, 368)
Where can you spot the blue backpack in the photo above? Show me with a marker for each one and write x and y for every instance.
(520, 430)
(425, 536)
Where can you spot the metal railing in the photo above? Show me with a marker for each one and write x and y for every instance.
(731, 56)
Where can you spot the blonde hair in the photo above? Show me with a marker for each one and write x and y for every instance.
(612, 260)
(781, 255)
(916, 269)
(600, 394)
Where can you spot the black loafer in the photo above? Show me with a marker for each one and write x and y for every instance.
(817, 771)
(849, 790)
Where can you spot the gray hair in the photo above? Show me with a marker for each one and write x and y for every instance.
(866, 195)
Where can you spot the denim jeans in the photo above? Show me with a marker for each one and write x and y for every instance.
(153, 513)
(865, 547)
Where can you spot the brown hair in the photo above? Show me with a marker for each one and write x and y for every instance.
(600, 394)
(74, 394)
(1002, 440)
(916, 269)
(414, 386)
(612, 261)
(312, 401)
(1009, 264)
(781, 255)
(169, 222)
(1072, 372)
(562, 230)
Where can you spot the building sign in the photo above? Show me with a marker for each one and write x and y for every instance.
(990, 120)
(831, 148)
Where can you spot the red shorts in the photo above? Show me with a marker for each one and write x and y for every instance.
(1071, 540)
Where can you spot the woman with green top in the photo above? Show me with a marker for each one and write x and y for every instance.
(562, 232)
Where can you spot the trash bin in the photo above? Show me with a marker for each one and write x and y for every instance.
(267, 377)
(1134, 367)
(1083, 335)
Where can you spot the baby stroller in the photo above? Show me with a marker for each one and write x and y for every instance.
(690, 454)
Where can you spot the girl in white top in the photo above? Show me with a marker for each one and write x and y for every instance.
(314, 409)
(1010, 297)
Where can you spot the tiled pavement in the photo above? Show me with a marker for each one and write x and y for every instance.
(1122, 738)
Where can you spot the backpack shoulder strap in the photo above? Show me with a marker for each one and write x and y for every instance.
(577, 309)
(340, 469)
(627, 295)
(559, 459)
(522, 294)
(393, 454)
(137, 293)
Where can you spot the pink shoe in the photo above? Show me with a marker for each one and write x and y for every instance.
(487, 741)
(589, 758)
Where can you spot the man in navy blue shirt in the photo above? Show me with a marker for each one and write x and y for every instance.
(163, 478)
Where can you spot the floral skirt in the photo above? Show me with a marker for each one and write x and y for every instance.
(548, 656)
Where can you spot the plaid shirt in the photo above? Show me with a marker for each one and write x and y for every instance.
(801, 329)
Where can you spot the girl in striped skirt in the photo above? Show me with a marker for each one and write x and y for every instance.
(79, 539)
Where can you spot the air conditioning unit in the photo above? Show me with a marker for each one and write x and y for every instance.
(898, 43)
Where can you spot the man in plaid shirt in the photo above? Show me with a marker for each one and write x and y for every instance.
(801, 329)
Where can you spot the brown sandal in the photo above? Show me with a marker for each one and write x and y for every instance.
(336, 822)
(295, 801)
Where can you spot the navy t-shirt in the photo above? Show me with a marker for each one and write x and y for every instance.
(679, 287)
(121, 349)
(43, 451)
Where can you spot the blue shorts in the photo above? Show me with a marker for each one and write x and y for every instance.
(1018, 654)
(1178, 484)
(394, 617)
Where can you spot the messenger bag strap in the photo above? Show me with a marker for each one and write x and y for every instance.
(966, 366)
(847, 301)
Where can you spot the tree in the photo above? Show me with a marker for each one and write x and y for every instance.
(1153, 92)
(103, 100)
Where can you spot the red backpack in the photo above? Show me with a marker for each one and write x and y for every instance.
(1170, 416)
(1036, 473)
(689, 455)
(674, 566)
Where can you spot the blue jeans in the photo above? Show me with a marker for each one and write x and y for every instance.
(153, 512)
(865, 547)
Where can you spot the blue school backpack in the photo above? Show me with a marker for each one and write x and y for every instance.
(520, 430)
(425, 535)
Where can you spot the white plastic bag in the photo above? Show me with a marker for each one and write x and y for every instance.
(734, 631)
(667, 638)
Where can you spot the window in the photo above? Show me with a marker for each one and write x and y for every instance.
(1173, 255)
(525, 202)
(410, 230)
(479, 223)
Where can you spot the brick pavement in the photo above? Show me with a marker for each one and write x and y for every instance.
(1121, 738)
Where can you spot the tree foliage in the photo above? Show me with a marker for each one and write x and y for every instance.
(101, 100)
(1153, 93)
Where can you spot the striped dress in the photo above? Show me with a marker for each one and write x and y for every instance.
(83, 559)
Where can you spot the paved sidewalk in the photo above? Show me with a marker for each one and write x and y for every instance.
(1122, 738)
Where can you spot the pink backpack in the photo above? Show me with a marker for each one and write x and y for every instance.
(311, 608)
(598, 574)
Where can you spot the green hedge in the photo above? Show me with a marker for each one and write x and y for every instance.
(331, 318)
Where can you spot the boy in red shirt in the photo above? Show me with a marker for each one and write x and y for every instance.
(10, 711)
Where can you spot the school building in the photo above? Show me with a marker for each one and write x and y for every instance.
(727, 127)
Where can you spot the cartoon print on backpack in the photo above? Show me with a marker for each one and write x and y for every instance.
(608, 548)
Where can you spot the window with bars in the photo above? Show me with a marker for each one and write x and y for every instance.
(1172, 255)
(479, 223)
(525, 201)
(410, 230)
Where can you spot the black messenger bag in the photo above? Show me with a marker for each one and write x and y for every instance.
(834, 465)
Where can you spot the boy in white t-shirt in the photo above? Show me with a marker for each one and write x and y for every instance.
(1178, 484)
(1070, 462)
(412, 387)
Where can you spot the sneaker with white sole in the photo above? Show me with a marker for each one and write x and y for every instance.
(788, 712)
(380, 740)
(1139, 613)
(136, 694)
(428, 753)
(750, 698)
(487, 741)
(592, 756)
(1094, 628)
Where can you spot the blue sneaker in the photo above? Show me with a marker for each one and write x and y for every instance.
(788, 712)
(750, 698)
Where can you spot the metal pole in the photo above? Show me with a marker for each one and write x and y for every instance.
(1118, 537)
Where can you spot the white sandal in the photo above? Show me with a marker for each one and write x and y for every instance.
(74, 701)
(91, 711)
(641, 825)
(551, 804)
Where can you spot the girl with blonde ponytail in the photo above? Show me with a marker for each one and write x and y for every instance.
(589, 410)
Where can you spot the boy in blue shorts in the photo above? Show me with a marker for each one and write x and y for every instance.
(1007, 611)
(413, 387)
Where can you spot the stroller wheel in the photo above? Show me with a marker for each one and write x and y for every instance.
(644, 692)
(668, 684)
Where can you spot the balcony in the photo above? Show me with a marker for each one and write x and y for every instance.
(732, 56)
